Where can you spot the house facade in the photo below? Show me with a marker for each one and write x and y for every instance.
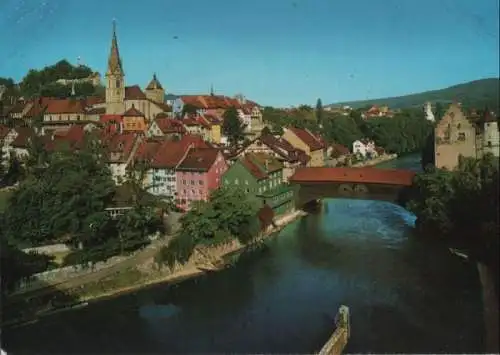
(306, 141)
(290, 157)
(459, 135)
(455, 135)
(261, 175)
(198, 174)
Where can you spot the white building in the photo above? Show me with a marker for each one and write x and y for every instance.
(429, 115)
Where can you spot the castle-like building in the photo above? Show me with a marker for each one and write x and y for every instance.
(121, 98)
(457, 134)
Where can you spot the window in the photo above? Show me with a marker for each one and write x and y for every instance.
(183, 182)
(192, 182)
(236, 181)
(246, 182)
(489, 144)
(461, 136)
(118, 83)
(200, 182)
(78, 117)
(459, 126)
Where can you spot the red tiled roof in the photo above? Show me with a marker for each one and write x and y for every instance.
(146, 150)
(253, 169)
(308, 138)
(353, 175)
(134, 93)
(94, 100)
(190, 121)
(120, 143)
(196, 141)
(199, 159)
(168, 125)
(59, 106)
(133, 112)
(342, 149)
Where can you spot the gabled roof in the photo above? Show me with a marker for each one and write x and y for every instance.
(343, 150)
(199, 159)
(170, 153)
(308, 138)
(284, 149)
(260, 164)
(70, 106)
(169, 125)
(133, 112)
(134, 92)
(120, 143)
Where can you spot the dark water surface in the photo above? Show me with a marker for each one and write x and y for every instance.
(405, 294)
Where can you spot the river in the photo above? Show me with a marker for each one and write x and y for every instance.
(406, 295)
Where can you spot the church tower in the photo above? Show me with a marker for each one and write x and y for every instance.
(115, 79)
(154, 91)
(491, 137)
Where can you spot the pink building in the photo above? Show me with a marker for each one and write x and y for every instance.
(198, 174)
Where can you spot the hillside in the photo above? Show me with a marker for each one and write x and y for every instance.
(477, 93)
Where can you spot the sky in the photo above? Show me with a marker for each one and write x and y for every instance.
(276, 52)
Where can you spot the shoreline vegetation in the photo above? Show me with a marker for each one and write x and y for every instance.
(133, 279)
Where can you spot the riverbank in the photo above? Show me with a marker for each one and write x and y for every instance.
(192, 268)
(146, 275)
(378, 160)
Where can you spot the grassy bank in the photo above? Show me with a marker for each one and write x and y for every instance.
(127, 280)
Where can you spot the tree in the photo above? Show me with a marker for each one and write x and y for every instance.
(229, 213)
(189, 109)
(319, 112)
(232, 127)
(65, 202)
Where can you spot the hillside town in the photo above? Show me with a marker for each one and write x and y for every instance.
(137, 185)
(180, 136)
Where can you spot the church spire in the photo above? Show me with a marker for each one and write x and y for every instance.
(114, 60)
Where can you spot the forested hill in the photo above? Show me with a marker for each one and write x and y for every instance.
(477, 93)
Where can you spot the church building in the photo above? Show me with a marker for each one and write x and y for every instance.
(121, 98)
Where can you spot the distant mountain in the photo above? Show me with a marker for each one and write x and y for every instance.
(477, 94)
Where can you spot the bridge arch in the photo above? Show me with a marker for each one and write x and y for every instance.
(357, 183)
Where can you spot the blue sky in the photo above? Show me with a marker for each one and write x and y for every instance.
(276, 52)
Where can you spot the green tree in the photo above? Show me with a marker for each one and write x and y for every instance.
(65, 202)
(189, 109)
(228, 214)
(232, 127)
(438, 111)
(319, 112)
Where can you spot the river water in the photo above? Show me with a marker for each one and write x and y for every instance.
(406, 294)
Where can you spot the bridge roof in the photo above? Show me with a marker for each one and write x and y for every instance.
(367, 175)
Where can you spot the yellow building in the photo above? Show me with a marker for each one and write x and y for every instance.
(134, 121)
(305, 140)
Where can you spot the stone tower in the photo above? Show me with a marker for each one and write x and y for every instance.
(154, 90)
(428, 112)
(491, 137)
(115, 79)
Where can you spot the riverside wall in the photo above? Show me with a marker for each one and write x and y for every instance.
(375, 161)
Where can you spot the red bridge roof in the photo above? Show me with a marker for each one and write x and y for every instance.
(353, 175)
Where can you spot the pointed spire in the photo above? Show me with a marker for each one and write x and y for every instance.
(73, 88)
(212, 93)
(114, 60)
